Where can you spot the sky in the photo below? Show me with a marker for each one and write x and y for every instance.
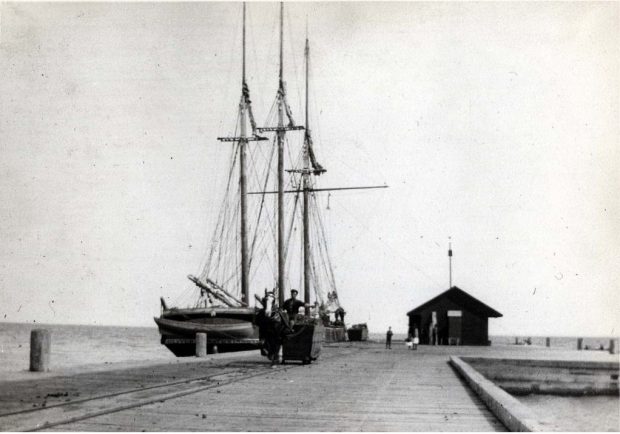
(495, 125)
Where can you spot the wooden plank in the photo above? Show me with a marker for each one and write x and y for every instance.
(27, 394)
(369, 389)
(352, 387)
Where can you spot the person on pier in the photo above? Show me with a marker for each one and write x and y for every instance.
(416, 338)
(339, 314)
(388, 339)
(292, 305)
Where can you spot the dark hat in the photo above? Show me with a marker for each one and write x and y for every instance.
(294, 291)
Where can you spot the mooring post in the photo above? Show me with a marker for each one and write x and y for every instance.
(201, 344)
(612, 346)
(548, 342)
(40, 345)
(579, 343)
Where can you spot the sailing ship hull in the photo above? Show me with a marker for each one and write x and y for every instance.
(227, 329)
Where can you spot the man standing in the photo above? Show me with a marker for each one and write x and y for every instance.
(388, 339)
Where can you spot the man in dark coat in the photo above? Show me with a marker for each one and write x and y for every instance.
(292, 305)
(388, 339)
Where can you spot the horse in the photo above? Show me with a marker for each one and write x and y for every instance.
(273, 326)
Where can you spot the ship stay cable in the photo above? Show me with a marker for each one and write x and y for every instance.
(326, 258)
(217, 233)
(323, 251)
(394, 252)
(222, 220)
(241, 142)
(230, 240)
(261, 209)
(291, 228)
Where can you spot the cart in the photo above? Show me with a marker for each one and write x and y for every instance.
(303, 344)
(358, 332)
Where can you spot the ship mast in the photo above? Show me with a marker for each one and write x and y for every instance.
(245, 110)
(306, 186)
(310, 166)
(245, 293)
(281, 129)
(281, 132)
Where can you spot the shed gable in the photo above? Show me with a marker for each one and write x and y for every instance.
(460, 298)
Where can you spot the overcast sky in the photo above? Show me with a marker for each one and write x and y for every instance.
(495, 124)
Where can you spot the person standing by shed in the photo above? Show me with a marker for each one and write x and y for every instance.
(388, 339)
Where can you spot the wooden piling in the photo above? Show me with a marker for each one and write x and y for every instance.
(548, 342)
(40, 346)
(201, 344)
(612, 346)
(580, 343)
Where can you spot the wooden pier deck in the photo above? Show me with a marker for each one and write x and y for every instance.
(352, 387)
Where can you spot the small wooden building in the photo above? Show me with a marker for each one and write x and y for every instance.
(452, 318)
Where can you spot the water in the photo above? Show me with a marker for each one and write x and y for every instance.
(78, 345)
(566, 342)
(569, 413)
(380, 337)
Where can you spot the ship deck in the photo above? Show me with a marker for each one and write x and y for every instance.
(357, 386)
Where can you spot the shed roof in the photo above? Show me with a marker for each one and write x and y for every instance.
(460, 297)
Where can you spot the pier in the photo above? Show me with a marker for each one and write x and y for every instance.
(352, 387)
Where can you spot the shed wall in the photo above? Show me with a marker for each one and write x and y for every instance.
(474, 328)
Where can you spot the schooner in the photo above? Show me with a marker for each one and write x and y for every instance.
(249, 231)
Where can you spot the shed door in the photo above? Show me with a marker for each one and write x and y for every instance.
(455, 318)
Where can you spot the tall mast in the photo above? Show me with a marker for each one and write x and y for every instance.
(281, 130)
(245, 293)
(280, 139)
(245, 112)
(306, 185)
